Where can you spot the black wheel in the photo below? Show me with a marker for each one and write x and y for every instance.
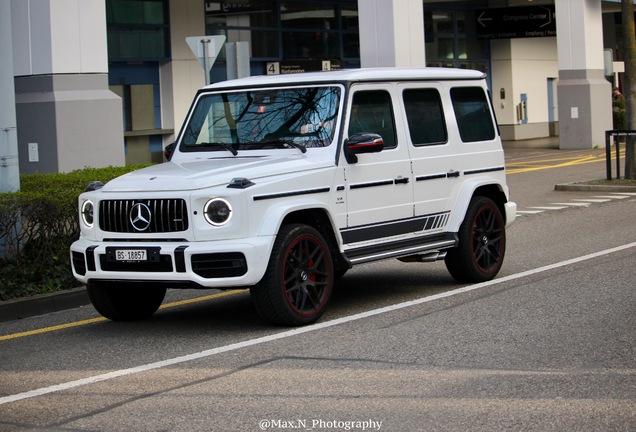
(125, 302)
(482, 243)
(299, 279)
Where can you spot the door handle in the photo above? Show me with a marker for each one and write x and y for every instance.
(452, 173)
(401, 180)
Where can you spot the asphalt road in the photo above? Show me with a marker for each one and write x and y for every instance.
(549, 345)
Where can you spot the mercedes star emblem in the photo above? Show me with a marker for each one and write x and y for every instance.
(140, 217)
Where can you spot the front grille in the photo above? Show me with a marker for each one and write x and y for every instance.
(143, 216)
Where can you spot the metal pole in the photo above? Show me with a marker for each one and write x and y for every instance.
(206, 72)
(608, 155)
(618, 156)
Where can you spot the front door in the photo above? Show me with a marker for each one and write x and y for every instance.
(379, 186)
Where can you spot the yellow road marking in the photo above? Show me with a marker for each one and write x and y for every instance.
(551, 163)
(100, 319)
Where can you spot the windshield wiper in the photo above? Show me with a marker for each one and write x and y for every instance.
(279, 143)
(224, 146)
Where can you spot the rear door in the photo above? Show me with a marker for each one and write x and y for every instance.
(436, 170)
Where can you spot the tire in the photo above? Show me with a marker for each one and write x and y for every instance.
(298, 282)
(125, 302)
(482, 243)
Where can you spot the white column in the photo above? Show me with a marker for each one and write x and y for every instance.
(183, 76)
(63, 103)
(391, 33)
(9, 168)
(584, 95)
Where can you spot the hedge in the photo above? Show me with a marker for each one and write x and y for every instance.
(37, 226)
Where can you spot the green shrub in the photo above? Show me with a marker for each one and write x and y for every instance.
(618, 113)
(37, 226)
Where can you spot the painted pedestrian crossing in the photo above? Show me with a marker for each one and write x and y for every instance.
(576, 203)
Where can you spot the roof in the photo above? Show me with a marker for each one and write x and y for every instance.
(369, 74)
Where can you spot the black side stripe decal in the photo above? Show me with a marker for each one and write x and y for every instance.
(396, 227)
(290, 194)
(484, 170)
(430, 177)
(373, 184)
(475, 171)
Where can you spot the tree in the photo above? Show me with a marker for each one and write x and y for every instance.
(629, 84)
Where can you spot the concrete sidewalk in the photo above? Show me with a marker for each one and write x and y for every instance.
(42, 304)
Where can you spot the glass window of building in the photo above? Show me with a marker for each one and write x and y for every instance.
(288, 29)
(253, 22)
(451, 40)
(137, 30)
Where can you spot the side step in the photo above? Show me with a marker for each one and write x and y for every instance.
(423, 252)
(425, 257)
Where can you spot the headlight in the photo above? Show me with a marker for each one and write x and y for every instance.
(87, 212)
(217, 211)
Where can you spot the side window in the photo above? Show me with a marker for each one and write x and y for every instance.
(425, 116)
(472, 111)
(371, 111)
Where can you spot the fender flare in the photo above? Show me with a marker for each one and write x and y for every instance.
(273, 218)
(466, 194)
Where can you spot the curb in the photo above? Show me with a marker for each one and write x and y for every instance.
(582, 187)
(19, 308)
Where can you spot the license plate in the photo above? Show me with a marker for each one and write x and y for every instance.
(131, 255)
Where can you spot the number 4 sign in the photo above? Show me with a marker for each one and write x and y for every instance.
(273, 68)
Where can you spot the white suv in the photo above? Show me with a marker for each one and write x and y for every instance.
(283, 183)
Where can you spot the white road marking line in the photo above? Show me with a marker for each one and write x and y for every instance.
(529, 211)
(294, 332)
(611, 197)
(625, 193)
(548, 208)
(575, 204)
(593, 200)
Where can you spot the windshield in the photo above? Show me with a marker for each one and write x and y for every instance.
(269, 118)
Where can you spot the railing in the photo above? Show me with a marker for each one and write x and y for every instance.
(608, 150)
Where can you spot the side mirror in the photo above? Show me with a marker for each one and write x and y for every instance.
(169, 150)
(365, 142)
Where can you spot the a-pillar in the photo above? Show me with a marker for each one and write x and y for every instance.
(391, 33)
(67, 117)
(584, 95)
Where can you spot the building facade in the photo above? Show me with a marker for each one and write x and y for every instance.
(108, 82)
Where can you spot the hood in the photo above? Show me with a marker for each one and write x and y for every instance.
(205, 173)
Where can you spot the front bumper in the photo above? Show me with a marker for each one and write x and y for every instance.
(218, 264)
(511, 212)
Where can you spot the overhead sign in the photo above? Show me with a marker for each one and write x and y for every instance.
(299, 66)
(517, 22)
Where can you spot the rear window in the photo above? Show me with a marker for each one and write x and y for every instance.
(425, 116)
(472, 111)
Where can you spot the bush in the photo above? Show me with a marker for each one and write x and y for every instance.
(618, 113)
(38, 225)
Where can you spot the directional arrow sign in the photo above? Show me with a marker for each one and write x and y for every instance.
(206, 49)
(517, 22)
(482, 19)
